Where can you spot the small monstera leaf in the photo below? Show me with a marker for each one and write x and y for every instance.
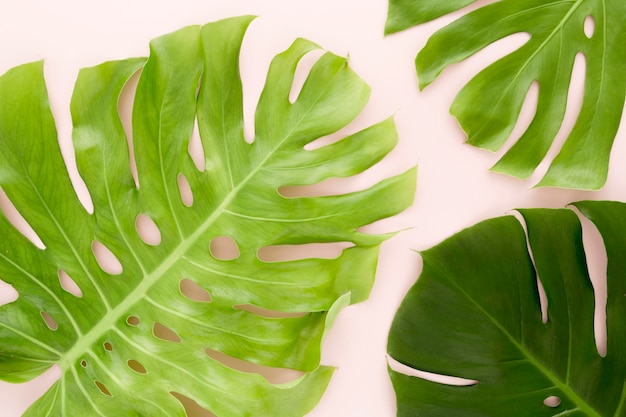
(489, 105)
(475, 313)
(135, 340)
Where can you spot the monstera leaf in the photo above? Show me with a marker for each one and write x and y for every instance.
(135, 340)
(489, 105)
(475, 313)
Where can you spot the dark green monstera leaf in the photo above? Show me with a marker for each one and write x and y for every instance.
(475, 313)
(131, 342)
(489, 105)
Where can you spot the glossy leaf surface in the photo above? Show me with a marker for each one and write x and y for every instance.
(169, 317)
(488, 106)
(475, 313)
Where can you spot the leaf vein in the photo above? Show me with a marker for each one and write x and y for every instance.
(83, 390)
(248, 279)
(48, 290)
(204, 324)
(536, 363)
(527, 62)
(70, 245)
(269, 219)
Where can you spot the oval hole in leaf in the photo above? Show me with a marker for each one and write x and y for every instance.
(50, 322)
(15, 218)
(160, 331)
(272, 375)
(552, 401)
(192, 409)
(8, 293)
(136, 366)
(589, 26)
(224, 248)
(285, 253)
(133, 321)
(108, 346)
(194, 292)
(196, 150)
(124, 107)
(263, 312)
(106, 259)
(429, 376)
(83, 363)
(148, 230)
(303, 69)
(185, 190)
(69, 285)
(103, 389)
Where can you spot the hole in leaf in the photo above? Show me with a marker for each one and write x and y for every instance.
(160, 331)
(69, 285)
(575, 96)
(263, 312)
(125, 107)
(148, 230)
(543, 299)
(273, 375)
(329, 187)
(284, 253)
(108, 347)
(526, 115)
(224, 248)
(597, 263)
(103, 389)
(194, 292)
(50, 322)
(185, 190)
(8, 293)
(106, 259)
(589, 26)
(303, 69)
(552, 401)
(334, 137)
(195, 148)
(83, 363)
(82, 192)
(133, 321)
(15, 218)
(77, 182)
(429, 376)
(254, 63)
(136, 366)
(192, 409)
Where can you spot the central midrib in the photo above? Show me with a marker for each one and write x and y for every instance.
(116, 313)
(565, 388)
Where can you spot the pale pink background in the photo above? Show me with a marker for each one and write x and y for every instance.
(455, 188)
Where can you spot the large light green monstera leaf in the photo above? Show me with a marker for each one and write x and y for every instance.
(130, 342)
(489, 105)
(475, 313)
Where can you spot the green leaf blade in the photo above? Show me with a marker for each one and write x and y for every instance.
(403, 14)
(489, 106)
(481, 287)
(128, 329)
